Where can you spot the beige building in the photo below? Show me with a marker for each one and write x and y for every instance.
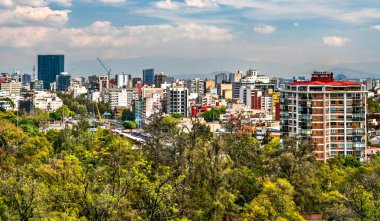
(12, 87)
(223, 87)
(227, 94)
(104, 83)
(209, 84)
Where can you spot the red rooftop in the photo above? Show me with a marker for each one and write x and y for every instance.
(325, 78)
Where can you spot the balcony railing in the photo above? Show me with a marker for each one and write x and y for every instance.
(358, 132)
(305, 133)
(304, 117)
(358, 146)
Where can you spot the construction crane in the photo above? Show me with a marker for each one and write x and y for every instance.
(105, 68)
(99, 115)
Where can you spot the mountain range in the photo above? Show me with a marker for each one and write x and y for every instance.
(187, 68)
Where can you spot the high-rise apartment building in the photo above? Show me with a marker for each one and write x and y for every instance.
(148, 76)
(159, 79)
(196, 86)
(235, 77)
(177, 100)
(123, 79)
(49, 66)
(330, 114)
(104, 83)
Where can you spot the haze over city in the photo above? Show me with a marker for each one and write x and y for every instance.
(279, 37)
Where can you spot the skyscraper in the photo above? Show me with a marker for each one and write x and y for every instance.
(49, 66)
(148, 76)
(26, 78)
(63, 81)
(219, 78)
(159, 79)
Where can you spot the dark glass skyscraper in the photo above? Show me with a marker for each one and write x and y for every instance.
(219, 78)
(63, 81)
(148, 76)
(49, 66)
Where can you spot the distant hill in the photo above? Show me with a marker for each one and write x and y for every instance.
(352, 73)
(207, 67)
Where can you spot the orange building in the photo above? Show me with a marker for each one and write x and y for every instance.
(330, 114)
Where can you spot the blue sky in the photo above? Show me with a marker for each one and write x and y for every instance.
(303, 33)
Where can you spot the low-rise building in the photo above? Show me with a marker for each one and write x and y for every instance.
(46, 101)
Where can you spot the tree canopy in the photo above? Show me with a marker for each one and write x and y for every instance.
(177, 174)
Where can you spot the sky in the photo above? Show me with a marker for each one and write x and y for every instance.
(297, 33)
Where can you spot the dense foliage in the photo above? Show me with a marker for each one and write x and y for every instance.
(373, 105)
(127, 115)
(83, 106)
(179, 174)
(129, 124)
(214, 114)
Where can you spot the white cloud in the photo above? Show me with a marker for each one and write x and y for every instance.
(335, 41)
(375, 27)
(34, 15)
(264, 29)
(112, 1)
(102, 34)
(204, 32)
(167, 4)
(22, 37)
(305, 9)
(202, 3)
(6, 3)
(296, 24)
(360, 16)
(34, 3)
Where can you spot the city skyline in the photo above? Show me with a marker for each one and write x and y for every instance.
(303, 35)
